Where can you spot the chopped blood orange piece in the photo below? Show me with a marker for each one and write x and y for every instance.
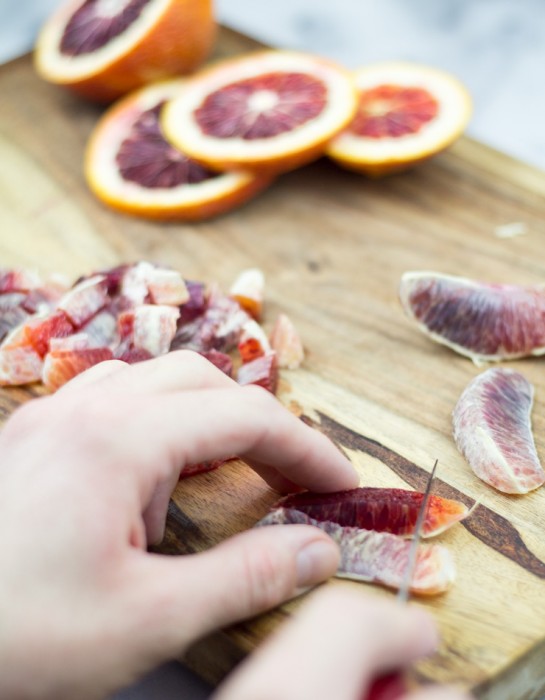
(37, 332)
(378, 557)
(219, 360)
(19, 361)
(381, 509)
(62, 365)
(18, 280)
(492, 429)
(248, 289)
(406, 114)
(480, 320)
(84, 300)
(253, 342)
(286, 342)
(270, 111)
(154, 328)
(263, 371)
(202, 467)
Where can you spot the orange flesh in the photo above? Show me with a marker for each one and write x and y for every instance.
(390, 111)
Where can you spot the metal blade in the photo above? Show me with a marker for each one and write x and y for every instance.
(403, 592)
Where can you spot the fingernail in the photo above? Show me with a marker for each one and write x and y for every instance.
(316, 561)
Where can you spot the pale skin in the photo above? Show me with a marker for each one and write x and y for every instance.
(85, 479)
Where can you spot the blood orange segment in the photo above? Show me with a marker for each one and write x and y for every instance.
(263, 371)
(406, 114)
(102, 49)
(492, 429)
(381, 509)
(379, 557)
(270, 111)
(479, 320)
(249, 290)
(130, 166)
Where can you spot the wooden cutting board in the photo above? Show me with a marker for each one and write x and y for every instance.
(333, 246)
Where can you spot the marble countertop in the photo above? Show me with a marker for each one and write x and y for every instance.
(496, 47)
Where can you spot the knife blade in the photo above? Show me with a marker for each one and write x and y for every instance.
(394, 686)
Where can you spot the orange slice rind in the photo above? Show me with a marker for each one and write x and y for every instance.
(407, 113)
(269, 111)
(213, 195)
(166, 38)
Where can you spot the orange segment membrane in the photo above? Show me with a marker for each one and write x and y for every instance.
(390, 111)
(262, 107)
(380, 509)
(145, 157)
(94, 25)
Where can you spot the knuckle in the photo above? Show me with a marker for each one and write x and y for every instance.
(269, 578)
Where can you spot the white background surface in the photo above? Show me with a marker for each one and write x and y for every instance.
(496, 47)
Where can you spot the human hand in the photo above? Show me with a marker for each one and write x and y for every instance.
(335, 646)
(85, 479)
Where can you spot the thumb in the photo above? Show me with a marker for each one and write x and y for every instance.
(190, 596)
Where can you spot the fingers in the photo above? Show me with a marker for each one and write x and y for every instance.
(92, 376)
(179, 370)
(188, 597)
(334, 646)
(176, 429)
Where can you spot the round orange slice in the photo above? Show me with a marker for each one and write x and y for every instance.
(131, 167)
(270, 111)
(102, 49)
(406, 114)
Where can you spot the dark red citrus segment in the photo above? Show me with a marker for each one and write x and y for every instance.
(477, 319)
(38, 333)
(262, 107)
(380, 509)
(388, 111)
(145, 157)
(492, 429)
(97, 22)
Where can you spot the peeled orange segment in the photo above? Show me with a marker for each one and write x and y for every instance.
(406, 113)
(482, 321)
(382, 509)
(492, 429)
(270, 111)
(130, 166)
(378, 557)
(102, 49)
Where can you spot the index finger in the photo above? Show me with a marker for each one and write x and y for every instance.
(159, 433)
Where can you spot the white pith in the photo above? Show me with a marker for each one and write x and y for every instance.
(451, 119)
(63, 67)
(103, 170)
(182, 127)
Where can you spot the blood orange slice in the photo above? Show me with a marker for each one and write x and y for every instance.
(104, 48)
(407, 113)
(130, 166)
(270, 111)
(493, 431)
(482, 321)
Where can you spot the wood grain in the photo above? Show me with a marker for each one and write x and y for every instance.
(333, 246)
